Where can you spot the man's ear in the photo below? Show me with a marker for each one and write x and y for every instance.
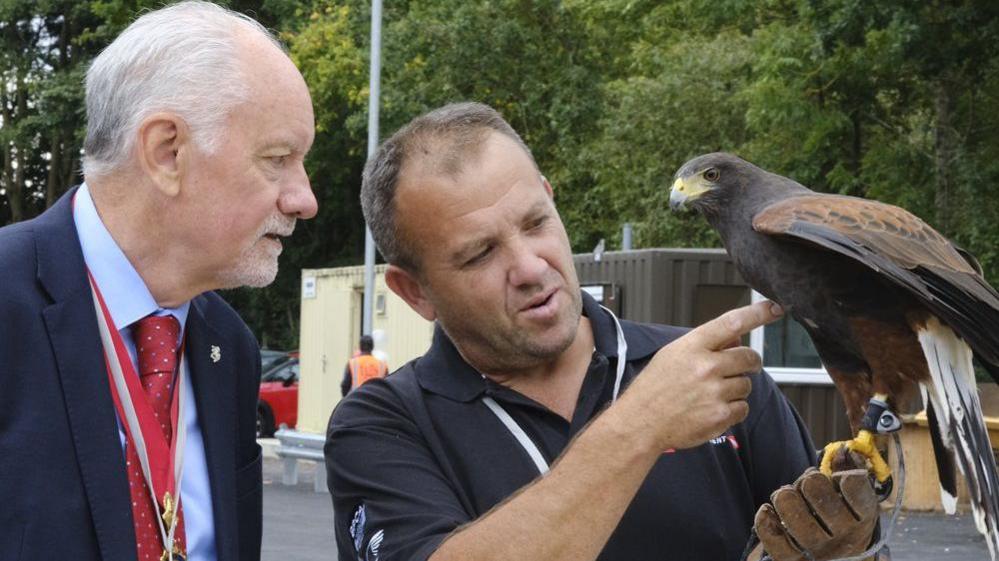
(163, 144)
(407, 286)
(548, 187)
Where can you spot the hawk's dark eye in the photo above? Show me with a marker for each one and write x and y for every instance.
(711, 174)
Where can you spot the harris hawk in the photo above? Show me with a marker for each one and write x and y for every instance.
(895, 310)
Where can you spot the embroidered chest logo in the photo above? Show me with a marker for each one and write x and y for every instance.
(726, 438)
(723, 439)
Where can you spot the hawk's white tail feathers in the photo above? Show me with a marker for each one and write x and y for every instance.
(953, 395)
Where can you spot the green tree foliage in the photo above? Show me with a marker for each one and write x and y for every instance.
(893, 100)
(42, 45)
(888, 100)
(45, 47)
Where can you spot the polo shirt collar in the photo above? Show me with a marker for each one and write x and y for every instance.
(604, 331)
(443, 371)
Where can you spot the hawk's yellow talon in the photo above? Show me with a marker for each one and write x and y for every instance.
(827, 455)
(863, 444)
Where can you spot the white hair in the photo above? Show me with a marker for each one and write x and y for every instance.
(184, 59)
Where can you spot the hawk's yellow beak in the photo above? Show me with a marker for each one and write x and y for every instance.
(686, 189)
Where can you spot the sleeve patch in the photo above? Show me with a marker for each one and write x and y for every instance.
(357, 527)
(357, 533)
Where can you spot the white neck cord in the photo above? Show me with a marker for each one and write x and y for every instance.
(518, 433)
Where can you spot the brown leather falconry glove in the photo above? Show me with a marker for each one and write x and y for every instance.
(830, 518)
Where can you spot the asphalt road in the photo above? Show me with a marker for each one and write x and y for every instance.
(937, 537)
(298, 526)
(298, 522)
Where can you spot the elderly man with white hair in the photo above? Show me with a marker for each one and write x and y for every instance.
(127, 414)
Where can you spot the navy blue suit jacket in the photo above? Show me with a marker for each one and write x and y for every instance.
(63, 488)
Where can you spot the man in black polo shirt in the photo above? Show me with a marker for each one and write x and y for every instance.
(528, 376)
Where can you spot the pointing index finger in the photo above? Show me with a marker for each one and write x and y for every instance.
(732, 325)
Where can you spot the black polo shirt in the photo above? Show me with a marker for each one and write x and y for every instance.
(415, 455)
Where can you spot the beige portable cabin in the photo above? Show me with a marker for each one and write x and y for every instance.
(332, 302)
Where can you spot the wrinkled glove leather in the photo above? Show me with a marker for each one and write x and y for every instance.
(845, 515)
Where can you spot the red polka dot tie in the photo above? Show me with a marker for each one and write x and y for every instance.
(156, 347)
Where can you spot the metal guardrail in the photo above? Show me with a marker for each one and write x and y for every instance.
(297, 446)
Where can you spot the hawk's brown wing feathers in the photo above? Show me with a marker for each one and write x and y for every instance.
(885, 229)
(905, 250)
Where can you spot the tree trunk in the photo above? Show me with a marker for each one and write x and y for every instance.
(53, 183)
(65, 152)
(13, 158)
(292, 319)
(857, 146)
(8, 182)
(70, 171)
(15, 185)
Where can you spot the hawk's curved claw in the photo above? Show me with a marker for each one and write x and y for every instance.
(862, 444)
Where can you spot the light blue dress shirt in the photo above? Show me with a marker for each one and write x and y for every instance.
(128, 302)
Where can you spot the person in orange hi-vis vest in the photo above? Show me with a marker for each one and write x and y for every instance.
(363, 367)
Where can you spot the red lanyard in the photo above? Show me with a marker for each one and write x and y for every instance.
(162, 461)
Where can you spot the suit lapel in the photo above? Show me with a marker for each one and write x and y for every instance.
(214, 385)
(71, 321)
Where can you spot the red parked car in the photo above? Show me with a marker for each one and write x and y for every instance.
(278, 401)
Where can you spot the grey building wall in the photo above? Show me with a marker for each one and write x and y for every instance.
(672, 286)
